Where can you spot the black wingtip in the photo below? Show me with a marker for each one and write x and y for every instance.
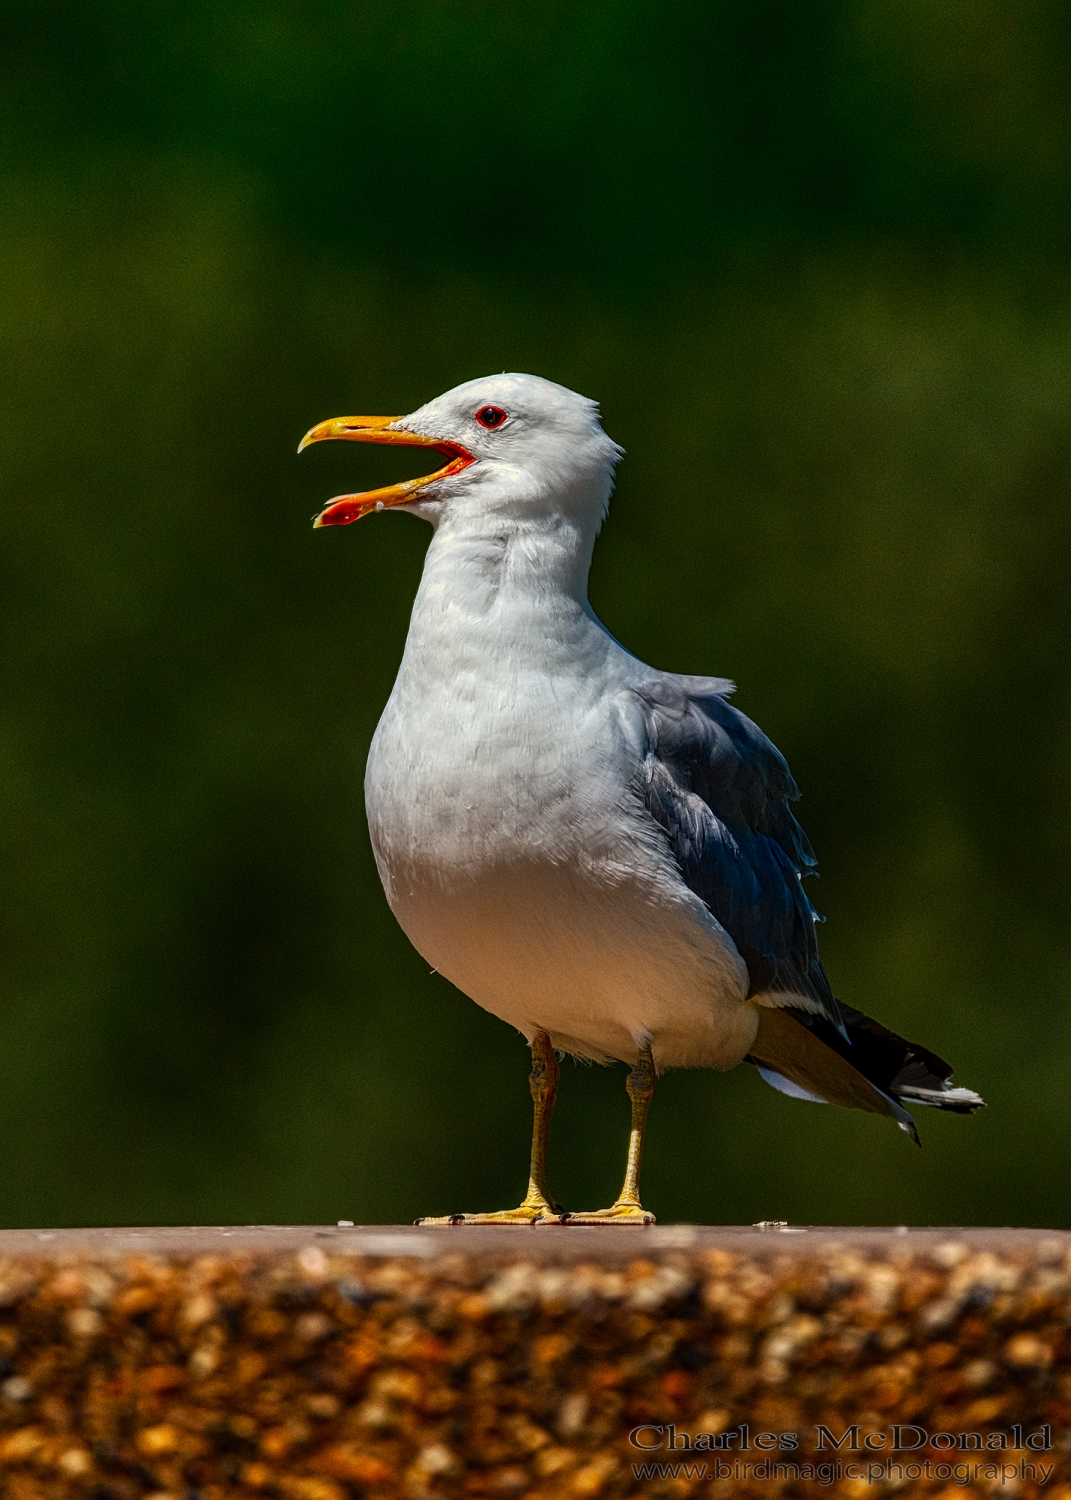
(908, 1127)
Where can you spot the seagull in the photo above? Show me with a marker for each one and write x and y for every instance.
(601, 854)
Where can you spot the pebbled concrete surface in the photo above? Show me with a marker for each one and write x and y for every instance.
(327, 1363)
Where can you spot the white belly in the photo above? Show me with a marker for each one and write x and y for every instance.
(517, 855)
(600, 969)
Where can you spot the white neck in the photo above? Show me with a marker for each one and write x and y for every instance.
(505, 582)
(472, 558)
(515, 533)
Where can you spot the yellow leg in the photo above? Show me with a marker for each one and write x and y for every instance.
(543, 1083)
(628, 1209)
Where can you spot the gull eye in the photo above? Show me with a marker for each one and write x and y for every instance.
(491, 416)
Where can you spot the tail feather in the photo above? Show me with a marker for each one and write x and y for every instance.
(869, 1067)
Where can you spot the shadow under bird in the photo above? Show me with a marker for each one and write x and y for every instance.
(602, 854)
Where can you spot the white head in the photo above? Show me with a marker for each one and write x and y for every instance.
(518, 446)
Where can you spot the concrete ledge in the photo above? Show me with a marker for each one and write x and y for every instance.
(321, 1363)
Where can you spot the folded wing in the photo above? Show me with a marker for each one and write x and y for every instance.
(721, 793)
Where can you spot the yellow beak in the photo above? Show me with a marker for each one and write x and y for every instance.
(346, 508)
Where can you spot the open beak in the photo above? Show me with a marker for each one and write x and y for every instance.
(346, 508)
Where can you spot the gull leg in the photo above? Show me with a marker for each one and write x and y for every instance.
(628, 1209)
(543, 1084)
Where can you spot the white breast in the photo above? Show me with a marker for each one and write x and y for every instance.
(511, 839)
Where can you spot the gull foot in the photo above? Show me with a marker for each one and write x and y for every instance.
(620, 1213)
(527, 1213)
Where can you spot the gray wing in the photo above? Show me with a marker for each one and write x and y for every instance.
(721, 793)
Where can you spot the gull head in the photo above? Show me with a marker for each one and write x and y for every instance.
(514, 445)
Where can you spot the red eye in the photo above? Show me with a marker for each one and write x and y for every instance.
(491, 416)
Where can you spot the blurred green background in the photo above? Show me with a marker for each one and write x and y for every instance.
(814, 262)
